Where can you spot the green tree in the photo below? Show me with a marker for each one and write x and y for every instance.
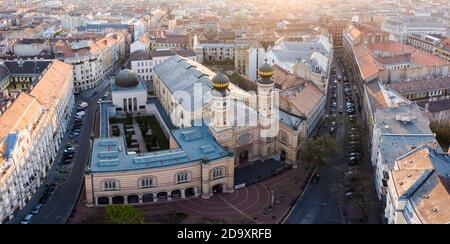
(442, 131)
(319, 150)
(122, 214)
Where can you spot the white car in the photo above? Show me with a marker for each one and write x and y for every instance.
(80, 114)
(83, 105)
(27, 219)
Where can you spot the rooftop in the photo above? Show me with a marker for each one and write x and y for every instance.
(304, 95)
(393, 147)
(180, 74)
(403, 120)
(196, 144)
(421, 85)
(291, 53)
(422, 176)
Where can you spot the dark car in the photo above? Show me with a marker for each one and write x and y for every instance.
(66, 162)
(43, 199)
(50, 189)
(315, 178)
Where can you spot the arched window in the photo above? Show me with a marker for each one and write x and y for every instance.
(218, 173)
(182, 177)
(110, 185)
(147, 182)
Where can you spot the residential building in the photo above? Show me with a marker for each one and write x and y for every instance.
(418, 188)
(428, 89)
(143, 62)
(401, 27)
(215, 52)
(172, 41)
(309, 60)
(92, 61)
(301, 98)
(31, 130)
(31, 47)
(436, 45)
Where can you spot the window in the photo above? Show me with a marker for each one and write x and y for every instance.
(182, 177)
(284, 136)
(110, 185)
(147, 182)
(218, 173)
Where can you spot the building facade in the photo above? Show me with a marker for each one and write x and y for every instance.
(31, 130)
(92, 61)
(436, 45)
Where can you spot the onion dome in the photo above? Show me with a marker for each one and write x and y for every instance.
(265, 73)
(220, 81)
(127, 78)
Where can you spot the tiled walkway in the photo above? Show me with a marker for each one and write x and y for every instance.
(246, 205)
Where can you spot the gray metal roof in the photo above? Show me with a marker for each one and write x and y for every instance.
(182, 74)
(406, 119)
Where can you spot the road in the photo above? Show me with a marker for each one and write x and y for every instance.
(59, 205)
(321, 202)
(318, 204)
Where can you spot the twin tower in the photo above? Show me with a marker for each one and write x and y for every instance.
(220, 96)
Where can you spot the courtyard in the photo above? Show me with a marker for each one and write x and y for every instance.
(251, 204)
(142, 134)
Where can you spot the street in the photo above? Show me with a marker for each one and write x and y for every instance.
(59, 205)
(325, 202)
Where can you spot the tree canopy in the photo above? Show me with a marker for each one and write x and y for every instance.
(123, 214)
(319, 150)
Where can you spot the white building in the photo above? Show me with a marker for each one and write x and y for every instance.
(400, 28)
(309, 60)
(143, 62)
(315, 53)
(92, 61)
(142, 43)
(31, 47)
(31, 130)
(213, 52)
(129, 93)
(256, 56)
(73, 20)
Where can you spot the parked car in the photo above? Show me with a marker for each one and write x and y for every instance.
(27, 219)
(37, 209)
(68, 157)
(81, 114)
(332, 129)
(315, 178)
(73, 135)
(64, 162)
(43, 199)
(50, 189)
